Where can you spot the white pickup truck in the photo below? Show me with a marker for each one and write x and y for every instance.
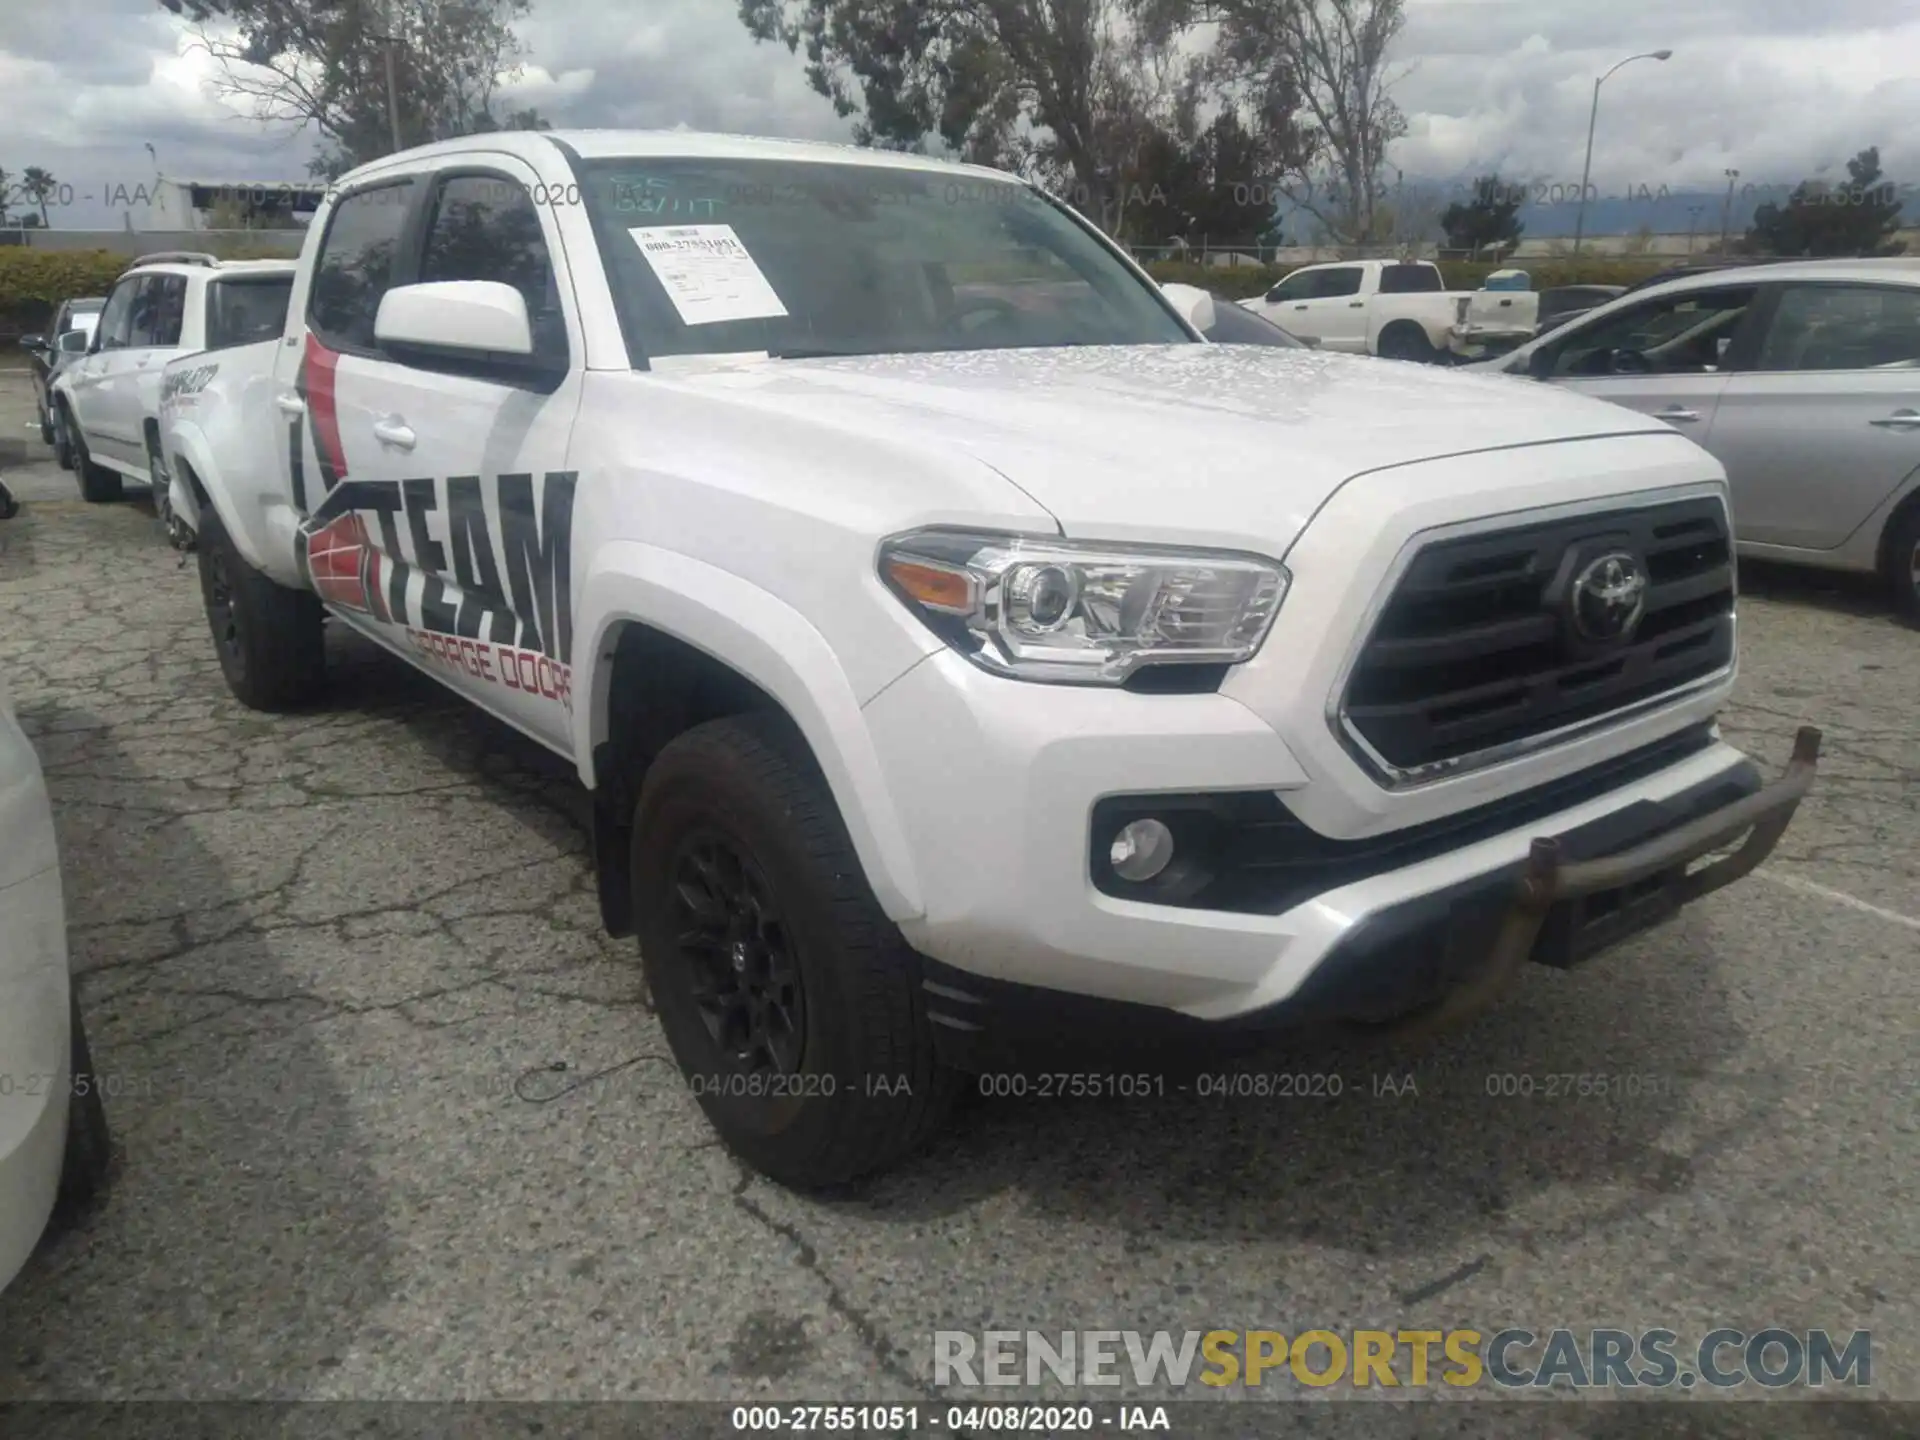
(1397, 309)
(968, 662)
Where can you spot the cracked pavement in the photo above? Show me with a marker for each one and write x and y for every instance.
(393, 1120)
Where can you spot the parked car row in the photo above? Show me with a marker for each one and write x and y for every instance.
(100, 398)
(1398, 310)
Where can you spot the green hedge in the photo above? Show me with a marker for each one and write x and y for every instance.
(1238, 282)
(33, 282)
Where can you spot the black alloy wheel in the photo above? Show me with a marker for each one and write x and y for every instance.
(745, 980)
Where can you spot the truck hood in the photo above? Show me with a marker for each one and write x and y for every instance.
(1237, 444)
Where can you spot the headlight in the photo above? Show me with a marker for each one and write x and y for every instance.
(1061, 610)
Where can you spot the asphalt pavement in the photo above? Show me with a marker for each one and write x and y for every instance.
(394, 1120)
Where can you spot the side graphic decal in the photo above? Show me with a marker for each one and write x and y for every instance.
(478, 570)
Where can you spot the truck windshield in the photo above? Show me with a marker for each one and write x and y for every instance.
(716, 256)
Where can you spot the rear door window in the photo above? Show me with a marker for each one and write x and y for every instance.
(1339, 281)
(1409, 280)
(245, 311)
(1843, 327)
(159, 306)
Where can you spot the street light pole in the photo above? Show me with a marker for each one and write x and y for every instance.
(1726, 210)
(1593, 117)
(393, 94)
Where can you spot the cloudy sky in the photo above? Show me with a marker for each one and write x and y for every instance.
(1779, 89)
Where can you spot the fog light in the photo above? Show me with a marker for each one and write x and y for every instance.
(1141, 850)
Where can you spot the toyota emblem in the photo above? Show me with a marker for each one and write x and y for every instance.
(1609, 595)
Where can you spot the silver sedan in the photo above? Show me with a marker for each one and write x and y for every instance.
(1802, 378)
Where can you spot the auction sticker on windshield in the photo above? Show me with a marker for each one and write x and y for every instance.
(707, 273)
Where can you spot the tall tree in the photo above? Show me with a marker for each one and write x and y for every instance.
(323, 63)
(1074, 93)
(1490, 216)
(1323, 65)
(1858, 217)
(37, 186)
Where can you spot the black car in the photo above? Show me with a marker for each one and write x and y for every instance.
(1704, 267)
(49, 354)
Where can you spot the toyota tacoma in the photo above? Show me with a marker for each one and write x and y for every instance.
(962, 654)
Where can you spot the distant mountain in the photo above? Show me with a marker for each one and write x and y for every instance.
(1550, 212)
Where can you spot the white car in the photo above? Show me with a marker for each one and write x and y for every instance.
(106, 403)
(1801, 377)
(1396, 309)
(963, 666)
(53, 1130)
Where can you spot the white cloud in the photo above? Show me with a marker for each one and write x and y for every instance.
(1779, 89)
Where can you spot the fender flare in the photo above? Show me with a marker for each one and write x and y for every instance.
(769, 643)
(184, 441)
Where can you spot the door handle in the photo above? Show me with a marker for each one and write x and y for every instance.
(1676, 412)
(393, 431)
(1299, 307)
(290, 404)
(1899, 420)
(1356, 305)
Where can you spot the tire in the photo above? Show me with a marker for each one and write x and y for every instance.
(849, 1083)
(1404, 340)
(46, 422)
(62, 433)
(1902, 567)
(269, 638)
(98, 485)
(159, 481)
(89, 1147)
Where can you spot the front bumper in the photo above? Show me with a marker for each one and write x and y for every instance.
(1433, 959)
(996, 785)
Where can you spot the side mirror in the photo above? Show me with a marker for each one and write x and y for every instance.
(1540, 363)
(1193, 303)
(476, 317)
(75, 342)
(35, 343)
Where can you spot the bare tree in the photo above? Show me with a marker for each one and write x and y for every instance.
(323, 63)
(1328, 59)
(1068, 92)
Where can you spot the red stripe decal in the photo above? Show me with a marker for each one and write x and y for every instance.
(320, 362)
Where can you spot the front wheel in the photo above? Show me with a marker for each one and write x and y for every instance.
(62, 437)
(1903, 565)
(791, 1003)
(98, 484)
(269, 638)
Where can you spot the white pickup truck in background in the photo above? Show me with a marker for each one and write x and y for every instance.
(1397, 309)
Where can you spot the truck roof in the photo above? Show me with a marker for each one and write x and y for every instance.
(690, 144)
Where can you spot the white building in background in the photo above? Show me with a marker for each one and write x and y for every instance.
(164, 204)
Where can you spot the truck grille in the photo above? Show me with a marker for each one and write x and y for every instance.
(1492, 640)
